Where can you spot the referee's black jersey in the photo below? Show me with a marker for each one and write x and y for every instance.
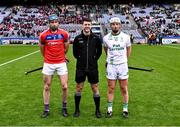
(87, 50)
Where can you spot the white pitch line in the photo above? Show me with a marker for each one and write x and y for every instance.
(18, 58)
(172, 47)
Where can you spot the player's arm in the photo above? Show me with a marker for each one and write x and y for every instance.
(41, 46)
(128, 47)
(66, 42)
(75, 48)
(105, 47)
(99, 49)
(105, 50)
(66, 46)
(128, 51)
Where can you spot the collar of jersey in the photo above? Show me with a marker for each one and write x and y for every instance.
(116, 34)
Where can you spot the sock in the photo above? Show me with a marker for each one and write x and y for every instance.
(110, 104)
(97, 101)
(125, 107)
(46, 107)
(77, 99)
(64, 104)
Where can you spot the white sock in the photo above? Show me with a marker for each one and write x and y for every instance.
(125, 110)
(109, 109)
(125, 107)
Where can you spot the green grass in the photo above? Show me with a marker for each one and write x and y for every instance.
(154, 96)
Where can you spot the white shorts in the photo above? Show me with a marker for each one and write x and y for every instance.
(49, 69)
(119, 71)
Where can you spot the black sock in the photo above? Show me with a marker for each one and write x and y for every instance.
(77, 99)
(97, 102)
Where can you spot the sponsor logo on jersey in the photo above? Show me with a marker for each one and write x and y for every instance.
(116, 47)
(53, 43)
(54, 37)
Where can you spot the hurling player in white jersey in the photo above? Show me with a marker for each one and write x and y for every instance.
(117, 47)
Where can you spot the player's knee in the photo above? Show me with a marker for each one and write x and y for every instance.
(47, 82)
(110, 90)
(124, 91)
(79, 88)
(95, 89)
(64, 87)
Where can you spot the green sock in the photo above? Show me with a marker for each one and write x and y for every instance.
(125, 107)
(110, 104)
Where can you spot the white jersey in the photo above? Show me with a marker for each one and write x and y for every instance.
(116, 47)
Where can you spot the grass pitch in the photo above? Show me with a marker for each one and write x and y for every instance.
(154, 97)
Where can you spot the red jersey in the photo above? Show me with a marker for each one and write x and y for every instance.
(54, 51)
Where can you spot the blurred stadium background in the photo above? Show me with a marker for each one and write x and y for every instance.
(146, 23)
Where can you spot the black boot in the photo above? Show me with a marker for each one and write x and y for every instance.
(77, 102)
(45, 114)
(64, 109)
(64, 112)
(97, 103)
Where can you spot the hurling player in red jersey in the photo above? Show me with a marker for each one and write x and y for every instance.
(54, 43)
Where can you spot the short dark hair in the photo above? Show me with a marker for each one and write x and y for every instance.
(87, 20)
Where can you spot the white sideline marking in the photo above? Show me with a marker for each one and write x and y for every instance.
(19, 58)
(172, 47)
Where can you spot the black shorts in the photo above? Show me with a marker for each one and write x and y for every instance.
(92, 76)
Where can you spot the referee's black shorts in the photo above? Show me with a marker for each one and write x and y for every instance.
(92, 76)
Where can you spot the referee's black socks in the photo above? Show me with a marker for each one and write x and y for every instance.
(97, 101)
(77, 99)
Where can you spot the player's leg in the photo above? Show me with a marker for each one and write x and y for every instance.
(46, 91)
(124, 92)
(110, 95)
(46, 94)
(63, 77)
(123, 82)
(111, 80)
(80, 78)
(47, 78)
(93, 80)
(96, 98)
(77, 98)
(64, 86)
